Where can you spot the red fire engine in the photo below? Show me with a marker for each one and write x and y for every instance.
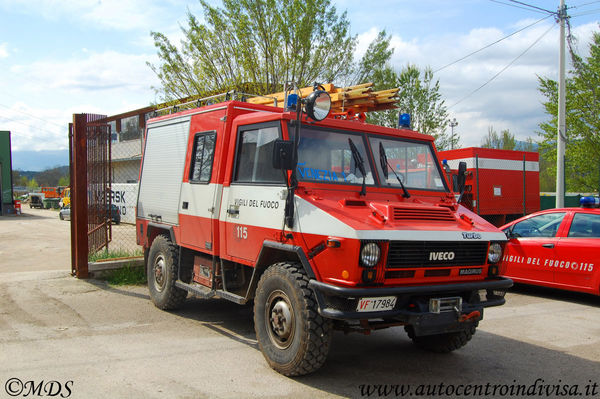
(501, 185)
(301, 211)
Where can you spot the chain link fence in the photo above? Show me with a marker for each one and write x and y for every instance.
(126, 143)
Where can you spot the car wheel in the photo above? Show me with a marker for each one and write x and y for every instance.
(442, 343)
(60, 216)
(162, 274)
(291, 334)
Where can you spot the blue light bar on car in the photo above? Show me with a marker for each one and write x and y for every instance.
(590, 202)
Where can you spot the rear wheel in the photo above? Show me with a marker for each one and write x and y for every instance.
(291, 334)
(162, 274)
(442, 343)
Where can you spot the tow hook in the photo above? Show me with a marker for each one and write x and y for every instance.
(466, 317)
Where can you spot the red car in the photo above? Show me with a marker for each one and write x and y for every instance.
(558, 248)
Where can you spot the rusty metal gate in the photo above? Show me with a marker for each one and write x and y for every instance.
(91, 187)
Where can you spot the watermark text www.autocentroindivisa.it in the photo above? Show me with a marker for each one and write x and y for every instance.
(17, 387)
(539, 388)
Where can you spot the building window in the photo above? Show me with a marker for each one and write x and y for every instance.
(254, 157)
(114, 136)
(202, 157)
(130, 128)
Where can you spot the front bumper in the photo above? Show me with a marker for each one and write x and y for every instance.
(412, 305)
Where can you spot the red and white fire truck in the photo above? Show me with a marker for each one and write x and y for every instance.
(501, 185)
(300, 210)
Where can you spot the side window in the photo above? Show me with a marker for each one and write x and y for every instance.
(539, 226)
(585, 225)
(254, 156)
(202, 157)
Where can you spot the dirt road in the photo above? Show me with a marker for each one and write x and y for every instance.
(91, 340)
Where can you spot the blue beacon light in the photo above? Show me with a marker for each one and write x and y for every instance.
(590, 202)
(404, 121)
(292, 101)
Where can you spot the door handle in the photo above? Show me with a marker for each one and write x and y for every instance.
(233, 210)
(548, 245)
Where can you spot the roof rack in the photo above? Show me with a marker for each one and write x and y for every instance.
(199, 102)
(351, 100)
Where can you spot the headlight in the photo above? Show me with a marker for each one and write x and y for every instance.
(370, 253)
(495, 253)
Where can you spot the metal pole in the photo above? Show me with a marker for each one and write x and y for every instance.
(477, 171)
(561, 136)
(524, 186)
(453, 124)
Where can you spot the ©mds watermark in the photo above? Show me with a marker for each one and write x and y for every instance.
(16, 387)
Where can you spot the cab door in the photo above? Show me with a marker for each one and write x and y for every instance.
(532, 246)
(578, 253)
(200, 195)
(252, 209)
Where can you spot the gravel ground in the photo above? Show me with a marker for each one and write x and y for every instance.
(100, 341)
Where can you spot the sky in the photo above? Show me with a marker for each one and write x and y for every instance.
(60, 57)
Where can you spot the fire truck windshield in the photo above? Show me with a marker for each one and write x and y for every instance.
(414, 163)
(326, 156)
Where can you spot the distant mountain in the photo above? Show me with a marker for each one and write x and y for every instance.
(39, 160)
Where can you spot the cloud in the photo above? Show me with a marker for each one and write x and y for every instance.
(105, 83)
(43, 128)
(112, 14)
(97, 72)
(510, 101)
(3, 50)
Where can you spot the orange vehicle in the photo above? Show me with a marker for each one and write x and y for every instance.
(301, 212)
(51, 192)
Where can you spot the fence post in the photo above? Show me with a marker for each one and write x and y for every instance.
(79, 247)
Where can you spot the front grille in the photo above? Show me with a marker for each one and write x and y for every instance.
(422, 213)
(409, 254)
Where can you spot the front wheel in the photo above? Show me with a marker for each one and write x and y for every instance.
(291, 334)
(162, 274)
(442, 343)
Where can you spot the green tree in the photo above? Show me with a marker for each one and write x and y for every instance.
(255, 45)
(64, 181)
(503, 141)
(419, 96)
(582, 153)
(32, 184)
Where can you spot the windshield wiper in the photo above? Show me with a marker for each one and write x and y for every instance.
(358, 161)
(383, 162)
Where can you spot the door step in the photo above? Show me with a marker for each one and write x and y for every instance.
(204, 292)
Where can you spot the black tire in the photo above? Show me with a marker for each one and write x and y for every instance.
(60, 216)
(291, 334)
(442, 343)
(162, 274)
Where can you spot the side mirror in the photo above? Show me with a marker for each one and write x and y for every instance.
(283, 154)
(462, 176)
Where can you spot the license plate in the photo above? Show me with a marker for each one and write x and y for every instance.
(376, 304)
